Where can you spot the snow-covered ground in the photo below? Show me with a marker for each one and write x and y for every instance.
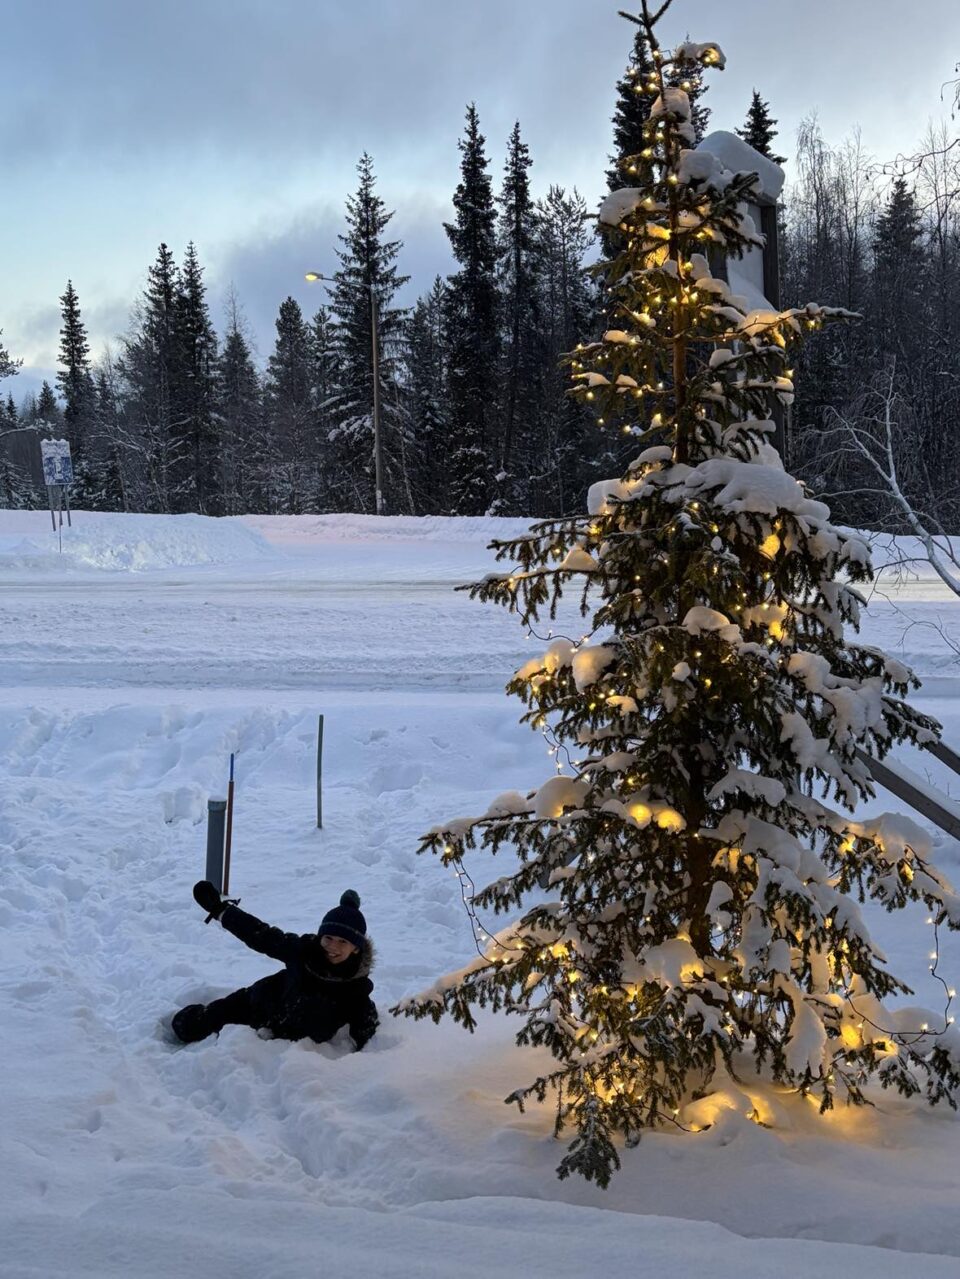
(131, 665)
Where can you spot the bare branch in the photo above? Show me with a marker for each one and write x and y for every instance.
(877, 448)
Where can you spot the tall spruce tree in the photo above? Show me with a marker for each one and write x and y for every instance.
(195, 476)
(74, 378)
(897, 235)
(148, 366)
(758, 129)
(559, 475)
(898, 292)
(326, 393)
(472, 326)
(522, 344)
(240, 415)
(924, 448)
(290, 458)
(701, 930)
(367, 269)
(426, 399)
(76, 386)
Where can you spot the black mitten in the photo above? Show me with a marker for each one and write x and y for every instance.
(205, 895)
(364, 1027)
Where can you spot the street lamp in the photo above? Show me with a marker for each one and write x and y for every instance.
(375, 352)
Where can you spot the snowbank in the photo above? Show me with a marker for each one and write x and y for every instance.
(303, 529)
(135, 543)
(124, 543)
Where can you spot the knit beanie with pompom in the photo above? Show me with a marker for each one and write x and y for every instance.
(345, 920)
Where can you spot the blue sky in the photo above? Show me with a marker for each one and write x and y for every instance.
(238, 124)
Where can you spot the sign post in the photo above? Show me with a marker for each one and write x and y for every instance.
(320, 774)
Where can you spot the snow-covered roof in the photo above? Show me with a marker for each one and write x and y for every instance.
(740, 157)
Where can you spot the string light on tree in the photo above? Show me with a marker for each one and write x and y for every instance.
(700, 858)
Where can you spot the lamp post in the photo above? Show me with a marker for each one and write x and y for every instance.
(375, 353)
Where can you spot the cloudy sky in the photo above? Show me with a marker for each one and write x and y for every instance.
(238, 123)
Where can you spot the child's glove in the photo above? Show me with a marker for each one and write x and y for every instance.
(205, 895)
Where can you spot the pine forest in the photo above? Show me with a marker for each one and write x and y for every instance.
(181, 415)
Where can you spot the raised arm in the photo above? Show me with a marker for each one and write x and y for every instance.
(259, 936)
(252, 932)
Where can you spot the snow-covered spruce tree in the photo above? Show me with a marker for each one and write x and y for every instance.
(425, 397)
(289, 450)
(148, 367)
(74, 379)
(327, 366)
(520, 281)
(568, 307)
(758, 129)
(239, 411)
(701, 916)
(471, 329)
(196, 468)
(367, 261)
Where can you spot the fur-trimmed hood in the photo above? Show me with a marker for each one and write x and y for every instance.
(368, 957)
(358, 965)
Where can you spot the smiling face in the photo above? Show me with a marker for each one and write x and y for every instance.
(337, 949)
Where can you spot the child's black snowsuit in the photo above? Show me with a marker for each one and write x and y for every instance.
(310, 999)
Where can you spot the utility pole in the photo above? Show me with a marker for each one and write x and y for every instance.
(377, 440)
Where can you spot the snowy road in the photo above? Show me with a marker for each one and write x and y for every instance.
(331, 615)
(121, 696)
(306, 612)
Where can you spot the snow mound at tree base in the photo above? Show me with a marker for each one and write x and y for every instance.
(125, 543)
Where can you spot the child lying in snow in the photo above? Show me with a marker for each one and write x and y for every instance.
(324, 983)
